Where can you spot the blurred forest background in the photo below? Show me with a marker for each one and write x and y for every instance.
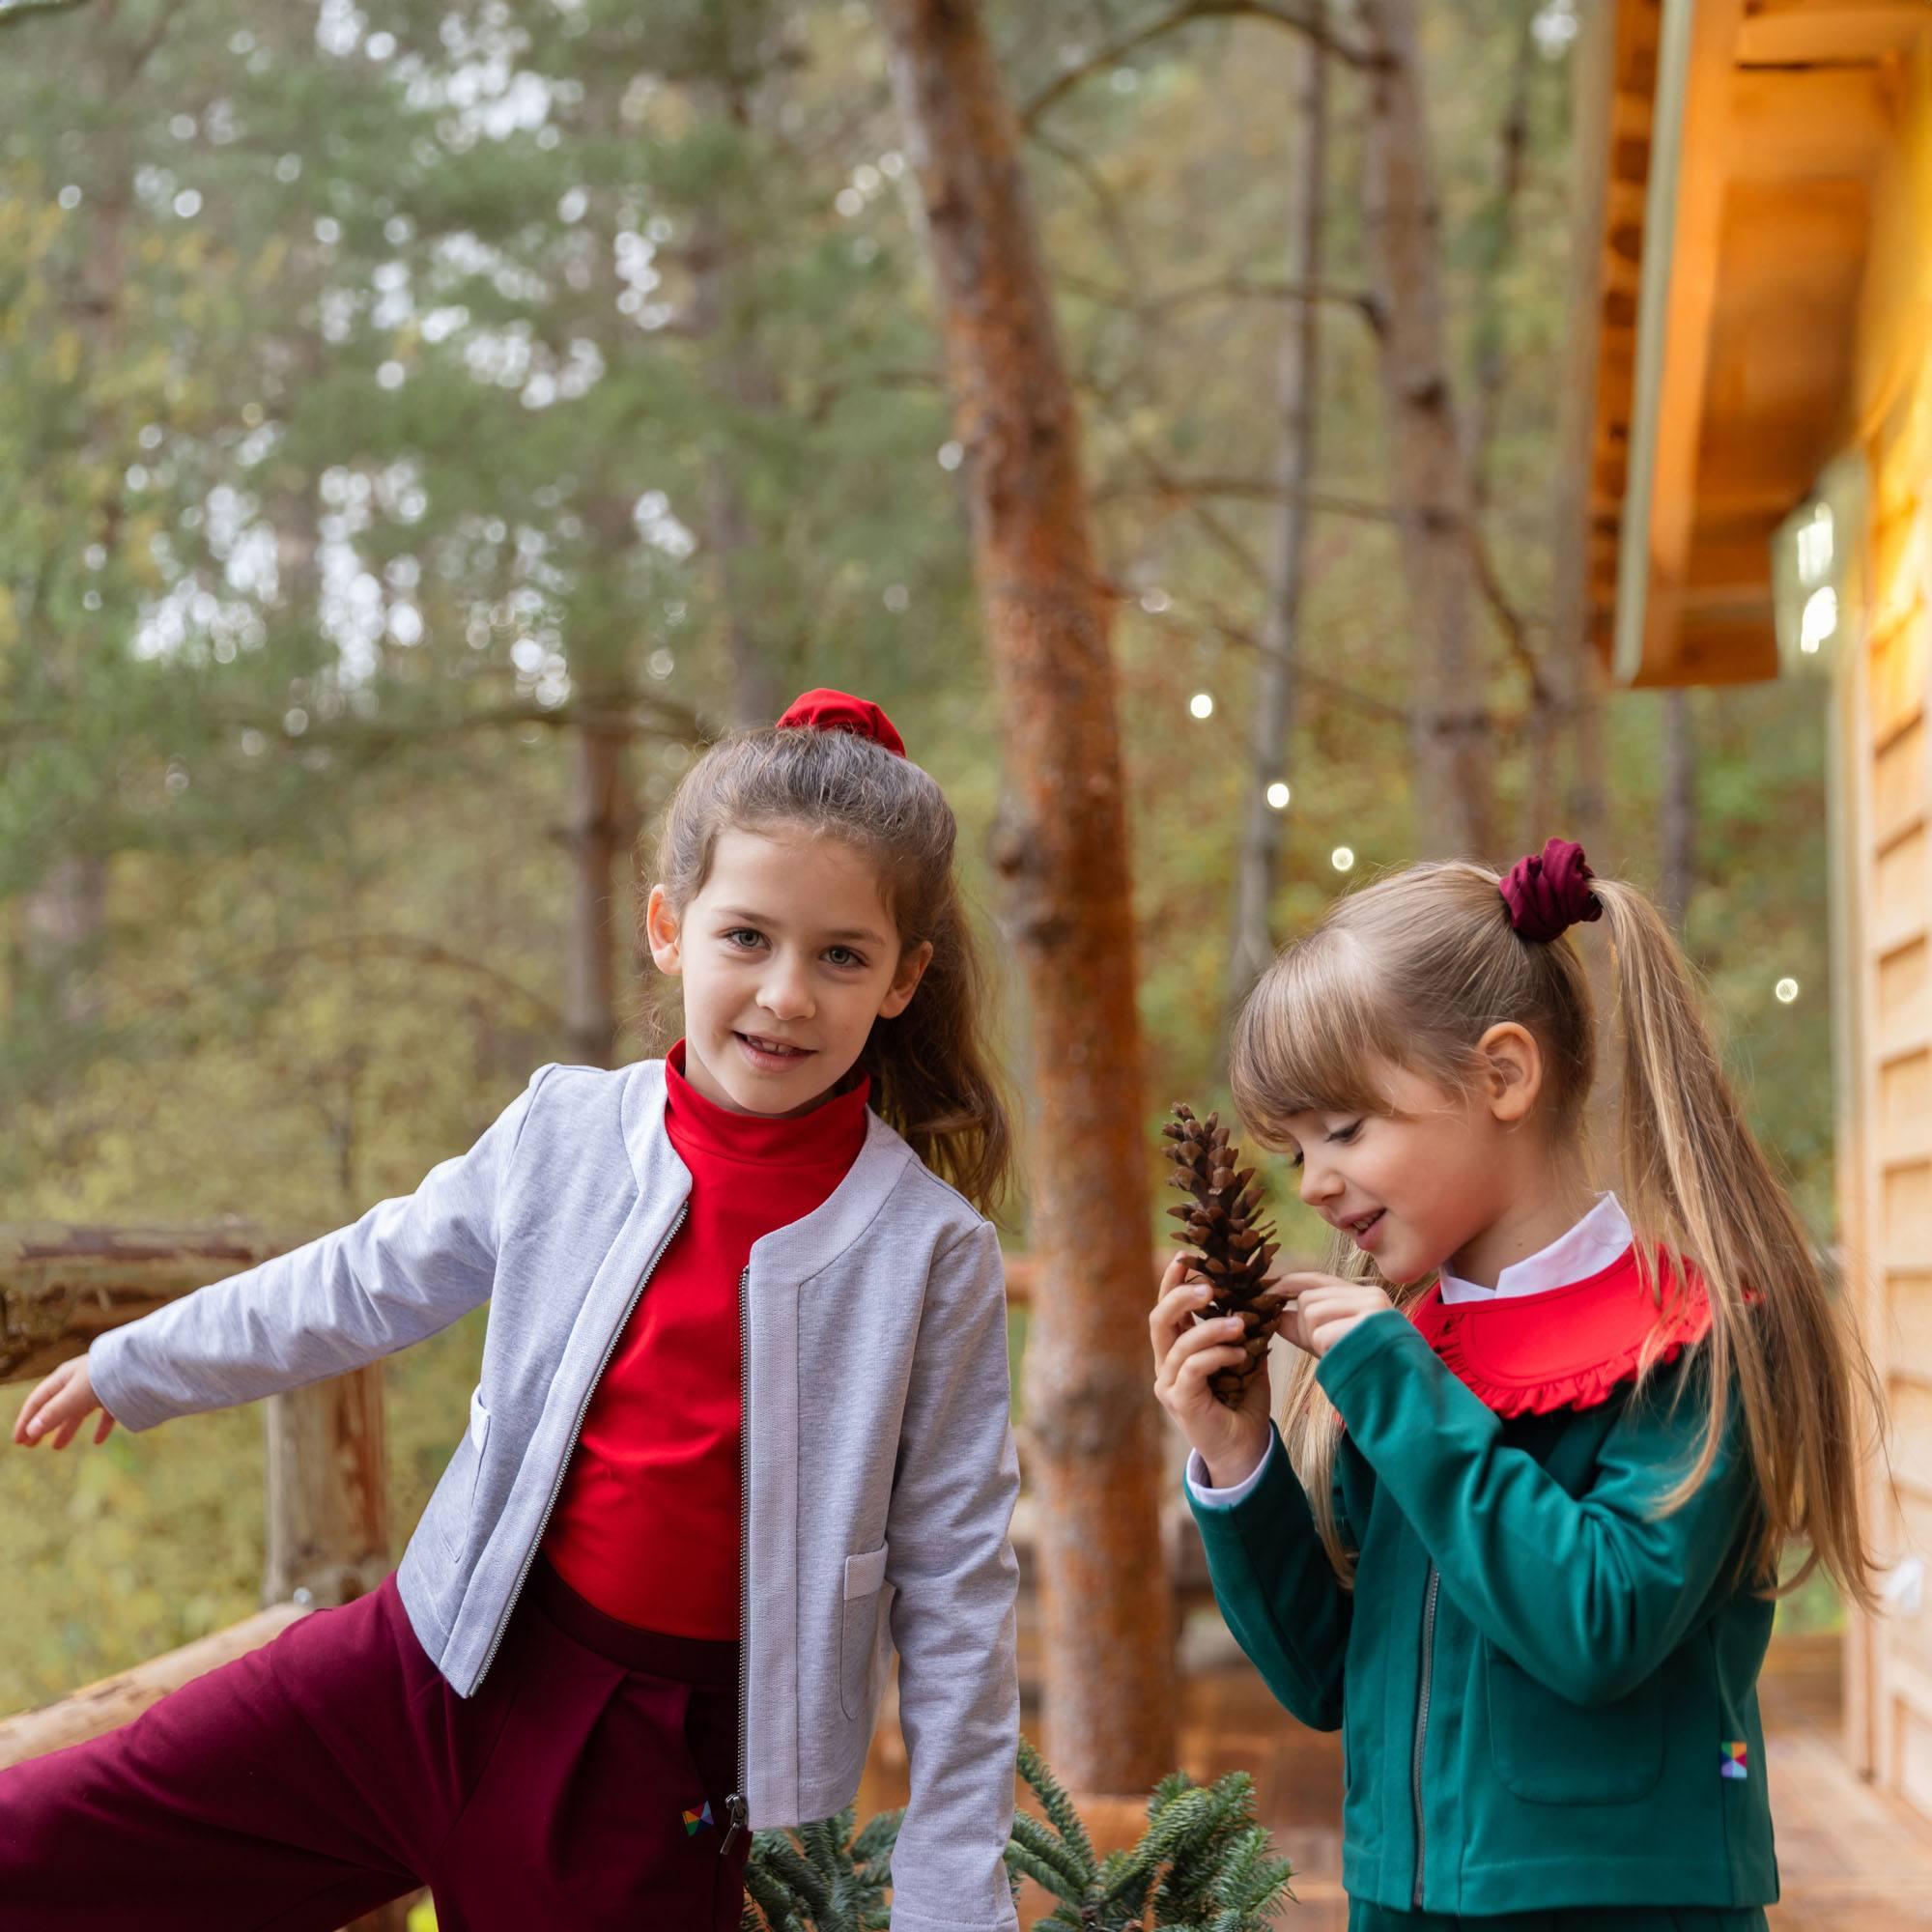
(421, 423)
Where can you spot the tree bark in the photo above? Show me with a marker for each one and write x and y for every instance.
(1252, 944)
(597, 837)
(1429, 481)
(1061, 851)
(1679, 826)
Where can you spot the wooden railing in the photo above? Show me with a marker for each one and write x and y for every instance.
(327, 1502)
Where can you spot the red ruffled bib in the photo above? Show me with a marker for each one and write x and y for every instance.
(1566, 1348)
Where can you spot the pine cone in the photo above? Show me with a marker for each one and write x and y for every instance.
(1234, 1252)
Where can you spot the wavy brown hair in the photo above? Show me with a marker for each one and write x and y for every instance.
(933, 1077)
(1411, 972)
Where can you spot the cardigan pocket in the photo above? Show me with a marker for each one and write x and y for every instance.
(1550, 1751)
(859, 1630)
(454, 1520)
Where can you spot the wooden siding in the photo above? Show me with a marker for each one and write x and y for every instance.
(1884, 851)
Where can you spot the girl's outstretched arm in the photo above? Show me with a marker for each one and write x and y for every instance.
(953, 1612)
(1590, 1593)
(407, 1269)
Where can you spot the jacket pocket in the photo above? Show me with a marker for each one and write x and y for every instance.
(1550, 1751)
(455, 1517)
(859, 1630)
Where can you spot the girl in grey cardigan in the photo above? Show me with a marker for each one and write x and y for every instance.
(497, 1721)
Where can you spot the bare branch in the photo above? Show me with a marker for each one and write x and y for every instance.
(1301, 16)
(16, 12)
(1228, 287)
(1247, 490)
(827, 395)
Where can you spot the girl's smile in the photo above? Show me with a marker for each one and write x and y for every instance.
(789, 954)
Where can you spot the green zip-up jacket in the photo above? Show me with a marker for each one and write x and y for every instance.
(1547, 1695)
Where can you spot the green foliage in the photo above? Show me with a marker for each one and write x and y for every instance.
(1204, 1865)
(822, 1877)
(1204, 1861)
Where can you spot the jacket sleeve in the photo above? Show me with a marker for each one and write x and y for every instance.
(1590, 1593)
(1277, 1589)
(407, 1269)
(953, 1618)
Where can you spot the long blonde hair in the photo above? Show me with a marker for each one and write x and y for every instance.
(1410, 972)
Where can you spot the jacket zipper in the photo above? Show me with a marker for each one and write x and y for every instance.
(1422, 1719)
(577, 1428)
(736, 1809)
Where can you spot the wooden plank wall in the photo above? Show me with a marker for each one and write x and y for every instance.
(1885, 848)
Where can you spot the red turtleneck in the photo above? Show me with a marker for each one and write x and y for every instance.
(646, 1526)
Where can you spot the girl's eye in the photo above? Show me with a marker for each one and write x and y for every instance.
(1344, 1135)
(748, 936)
(842, 955)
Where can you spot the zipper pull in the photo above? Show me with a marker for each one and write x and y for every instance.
(735, 1811)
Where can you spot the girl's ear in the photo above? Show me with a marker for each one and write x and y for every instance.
(1509, 1071)
(663, 931)
(905, 982)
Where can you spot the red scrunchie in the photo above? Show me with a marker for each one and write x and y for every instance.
(840, 711)
(1548, 893)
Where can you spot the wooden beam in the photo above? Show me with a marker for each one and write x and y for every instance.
(1796, 36)
(1690, 149)
(60, 1286)
(115, 1700)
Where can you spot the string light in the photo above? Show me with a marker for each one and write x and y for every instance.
(1787, 991)
(1202, 704)
(1343, 859)
(1278, 795)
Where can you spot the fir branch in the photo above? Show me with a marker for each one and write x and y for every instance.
(1059, 1809)
(1047, 1852)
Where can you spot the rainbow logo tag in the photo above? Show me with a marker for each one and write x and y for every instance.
(1731, 1760)
(695, 1821)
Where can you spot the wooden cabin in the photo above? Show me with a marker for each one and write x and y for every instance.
(1760, 505)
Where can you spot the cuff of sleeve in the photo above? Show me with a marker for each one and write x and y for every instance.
(1204, 1492)
(105, 1360)
(1358, 1352)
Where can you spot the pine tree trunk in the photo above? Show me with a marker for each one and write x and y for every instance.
(596, 836)
(1092, 1440)
(1252, 944)
(1678, 872)
(1429, 482)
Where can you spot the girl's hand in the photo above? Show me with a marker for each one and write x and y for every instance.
(59, 1406)
(1325, 1308)
(1231, 1442)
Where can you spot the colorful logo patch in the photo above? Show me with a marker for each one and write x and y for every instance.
(1731, 1760)
(695, 1821)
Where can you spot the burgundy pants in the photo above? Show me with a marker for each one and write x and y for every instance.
(333, 1769)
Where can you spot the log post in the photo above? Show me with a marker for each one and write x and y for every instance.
(327, 1492)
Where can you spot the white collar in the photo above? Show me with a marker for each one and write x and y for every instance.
(1602, 1236)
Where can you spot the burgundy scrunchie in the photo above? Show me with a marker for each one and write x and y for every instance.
(840, 711)
(1548, 893)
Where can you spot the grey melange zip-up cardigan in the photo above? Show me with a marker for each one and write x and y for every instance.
(880, 1467)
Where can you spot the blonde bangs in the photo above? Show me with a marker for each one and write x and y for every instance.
(1311, 1039)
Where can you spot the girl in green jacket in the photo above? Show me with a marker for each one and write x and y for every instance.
(1517, 1533)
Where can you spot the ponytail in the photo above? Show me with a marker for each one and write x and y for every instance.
(1697, 1182)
